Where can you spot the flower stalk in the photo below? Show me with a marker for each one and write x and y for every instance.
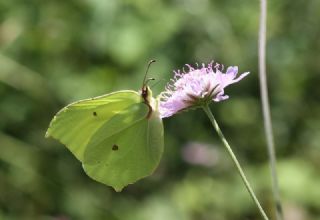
(266, 108)
(234, 159)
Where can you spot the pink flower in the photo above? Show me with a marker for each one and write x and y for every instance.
(197, 87)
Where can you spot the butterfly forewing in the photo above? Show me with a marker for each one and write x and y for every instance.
(75, 124)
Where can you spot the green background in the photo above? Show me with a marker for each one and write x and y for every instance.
(53, 52)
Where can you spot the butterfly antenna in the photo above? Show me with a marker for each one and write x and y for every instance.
(145, 80)
(148, 80)
(160, 80)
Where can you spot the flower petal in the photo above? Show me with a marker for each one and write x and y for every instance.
(197, 86)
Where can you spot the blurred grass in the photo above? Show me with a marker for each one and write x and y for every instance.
(55, 52)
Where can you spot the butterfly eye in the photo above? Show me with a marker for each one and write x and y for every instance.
(144, 93)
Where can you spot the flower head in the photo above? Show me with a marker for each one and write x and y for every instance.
(197, 87)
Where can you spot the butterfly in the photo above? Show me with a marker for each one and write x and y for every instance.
(118, 137)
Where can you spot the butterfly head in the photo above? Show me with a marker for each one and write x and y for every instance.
(146, 94)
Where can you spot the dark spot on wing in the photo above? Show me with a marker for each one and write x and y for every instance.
(115, 147)
(95, 114)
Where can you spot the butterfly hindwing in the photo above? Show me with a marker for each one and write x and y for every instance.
(126, 148)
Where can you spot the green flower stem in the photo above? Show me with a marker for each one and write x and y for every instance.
(262, 43)
(234, 159)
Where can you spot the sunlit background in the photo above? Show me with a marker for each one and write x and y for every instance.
(54, 52)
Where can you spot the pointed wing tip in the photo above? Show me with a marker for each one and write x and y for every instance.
(117, 189)
(47, 134)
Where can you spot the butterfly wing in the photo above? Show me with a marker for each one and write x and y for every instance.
(76, 123)
(114, 136)
(126, 148)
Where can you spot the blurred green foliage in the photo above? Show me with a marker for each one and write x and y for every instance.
(53, 52)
